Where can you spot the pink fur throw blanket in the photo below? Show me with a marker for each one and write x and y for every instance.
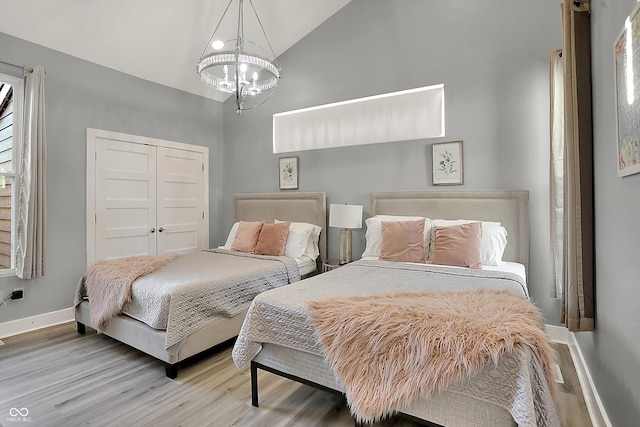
(390, 349)
(109, 283)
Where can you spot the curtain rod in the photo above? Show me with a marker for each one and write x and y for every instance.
(29, 69)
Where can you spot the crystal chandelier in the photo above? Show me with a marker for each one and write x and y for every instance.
(246, 69)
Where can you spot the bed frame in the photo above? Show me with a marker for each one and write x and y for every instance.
(301, 207)
(510, 207)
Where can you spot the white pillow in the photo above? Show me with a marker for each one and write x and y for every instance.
(302, 240)
(373, 235)
(494, 239)
(231, 236)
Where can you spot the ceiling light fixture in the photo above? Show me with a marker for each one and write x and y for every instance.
(246, 69)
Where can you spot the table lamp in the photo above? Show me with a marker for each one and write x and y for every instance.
(346, 217)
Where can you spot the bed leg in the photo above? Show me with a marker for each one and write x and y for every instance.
(81, 328)
(171, 370)
(254, 384)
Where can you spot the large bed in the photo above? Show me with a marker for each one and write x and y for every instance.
(224, 324)
(280, 337)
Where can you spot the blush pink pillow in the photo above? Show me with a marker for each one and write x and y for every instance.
(273, 238)
(458, 245)
(402, 241)
(247, 237)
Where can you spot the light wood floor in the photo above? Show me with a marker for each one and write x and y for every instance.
(66, 379)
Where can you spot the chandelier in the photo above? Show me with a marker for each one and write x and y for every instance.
(246, 69)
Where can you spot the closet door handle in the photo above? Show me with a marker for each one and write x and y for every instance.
(162, 229)
(153, 230)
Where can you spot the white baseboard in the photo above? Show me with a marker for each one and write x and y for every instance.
(595, 407)
(32, 323)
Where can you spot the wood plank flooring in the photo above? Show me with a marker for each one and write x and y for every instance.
(66, 379)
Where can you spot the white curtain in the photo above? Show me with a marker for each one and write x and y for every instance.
(31, 215)
(556, 119)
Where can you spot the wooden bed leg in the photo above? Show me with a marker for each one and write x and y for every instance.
(171, 370)
(81, 328)
(254, 384)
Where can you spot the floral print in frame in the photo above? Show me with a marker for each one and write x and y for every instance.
(447, 163)
(288, 172)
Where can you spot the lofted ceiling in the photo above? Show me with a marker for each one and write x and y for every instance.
(156, 40)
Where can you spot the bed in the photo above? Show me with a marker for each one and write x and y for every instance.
(509, 392)
(302, 207)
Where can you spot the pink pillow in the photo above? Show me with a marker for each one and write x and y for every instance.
(402, 241)
(458, 245)
(247, 236)
(273, 238)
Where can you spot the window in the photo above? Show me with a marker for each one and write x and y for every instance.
(11, 95)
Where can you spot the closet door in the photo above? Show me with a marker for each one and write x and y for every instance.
(180, 206)
(125, 202)
(145, 196)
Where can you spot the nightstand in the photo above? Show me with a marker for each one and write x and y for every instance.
(330, 264)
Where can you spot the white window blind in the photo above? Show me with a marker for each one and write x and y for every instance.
(397, 116)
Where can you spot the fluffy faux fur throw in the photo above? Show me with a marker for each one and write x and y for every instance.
(109, 283)
(389, 349)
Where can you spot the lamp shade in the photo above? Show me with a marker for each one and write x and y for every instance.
(345, 216)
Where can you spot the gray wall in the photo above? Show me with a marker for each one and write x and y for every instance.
(492, 57)
(612, 351)
(79, 95)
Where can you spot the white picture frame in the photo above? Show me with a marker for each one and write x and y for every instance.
(447, 163)
(288, 168)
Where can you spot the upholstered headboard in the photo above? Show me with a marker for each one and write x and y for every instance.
(510, 207)
(299, 207)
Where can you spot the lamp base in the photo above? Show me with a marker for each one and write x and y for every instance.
(345, 247)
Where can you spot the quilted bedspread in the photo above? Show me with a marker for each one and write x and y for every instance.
(195, 289)
(281, 316)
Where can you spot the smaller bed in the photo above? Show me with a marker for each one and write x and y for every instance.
(173, 342)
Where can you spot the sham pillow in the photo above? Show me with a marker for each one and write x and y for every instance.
(402, 241)
(373, 234)
(494, 242)
(458, 245)
(231, 236)
(247, 236)
(298, 238)
(494, 239)
(272, 239)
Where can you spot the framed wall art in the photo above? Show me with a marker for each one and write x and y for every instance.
(448, 167)
(288, 172)
(627, 79)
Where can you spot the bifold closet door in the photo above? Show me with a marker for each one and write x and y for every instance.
(125, 214)
(180, 205)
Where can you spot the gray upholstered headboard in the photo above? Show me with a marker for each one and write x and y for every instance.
(510, 207)
(299, 207)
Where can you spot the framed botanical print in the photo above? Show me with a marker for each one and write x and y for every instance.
(448, 168)
(288, 172)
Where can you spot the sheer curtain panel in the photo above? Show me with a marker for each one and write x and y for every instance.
(32, 198)
(556, 172)
(578, 308)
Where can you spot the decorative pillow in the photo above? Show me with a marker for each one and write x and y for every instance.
(402, 241)
(373, 234)
(231, 236)
(494, 239)
(247, 236)
(298, 238)
(273, 238)
(458, 245)
(494, 242)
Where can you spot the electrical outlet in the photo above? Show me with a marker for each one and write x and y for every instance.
(17, 294)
